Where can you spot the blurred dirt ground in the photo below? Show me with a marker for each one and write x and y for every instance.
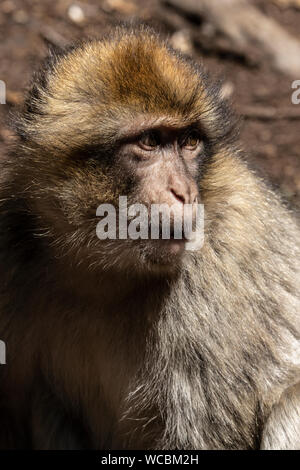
(28, 27)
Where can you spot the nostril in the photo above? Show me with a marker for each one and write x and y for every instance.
(179, 197)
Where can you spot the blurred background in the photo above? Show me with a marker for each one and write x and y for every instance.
(254, 45)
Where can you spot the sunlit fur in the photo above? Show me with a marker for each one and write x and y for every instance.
(105, 350)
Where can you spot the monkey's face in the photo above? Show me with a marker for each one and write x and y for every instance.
(161, 167)
(132, 206)
(122, 118)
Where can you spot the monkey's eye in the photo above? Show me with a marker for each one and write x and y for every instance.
(149, 140)
(191, 140)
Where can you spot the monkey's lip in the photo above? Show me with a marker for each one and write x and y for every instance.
(171, 245)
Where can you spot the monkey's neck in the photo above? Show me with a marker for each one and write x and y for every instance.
(112, 288)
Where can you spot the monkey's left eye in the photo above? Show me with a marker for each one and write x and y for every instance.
(149, 140)
(191, 140)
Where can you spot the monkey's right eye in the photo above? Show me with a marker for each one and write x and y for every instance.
(149, 140)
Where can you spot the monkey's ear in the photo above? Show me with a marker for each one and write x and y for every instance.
(224, 127)
(41, 77)
(20, 120)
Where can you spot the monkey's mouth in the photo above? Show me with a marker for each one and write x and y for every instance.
(171, 243)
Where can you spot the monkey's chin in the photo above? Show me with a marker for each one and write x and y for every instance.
(165, 255)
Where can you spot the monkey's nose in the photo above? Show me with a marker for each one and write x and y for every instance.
(180, 197)
(187, 195)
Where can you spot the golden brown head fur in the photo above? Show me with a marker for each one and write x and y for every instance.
(127, 77)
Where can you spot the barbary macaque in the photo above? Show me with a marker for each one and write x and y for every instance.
(142, 344)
